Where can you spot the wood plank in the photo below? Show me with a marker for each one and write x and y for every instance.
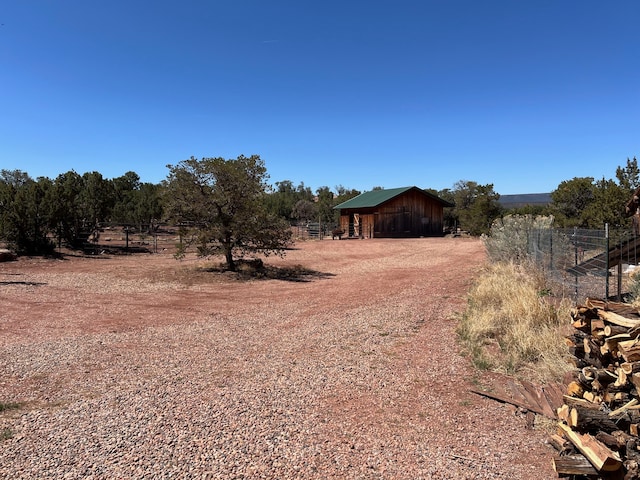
(510, 400)
(553, 392)
(535, 393)
(573, 465)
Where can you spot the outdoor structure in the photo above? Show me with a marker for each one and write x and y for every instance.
(396, 212)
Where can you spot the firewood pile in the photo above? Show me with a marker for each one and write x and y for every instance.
(599, 420)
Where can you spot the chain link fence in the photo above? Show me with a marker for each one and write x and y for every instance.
(586, 263)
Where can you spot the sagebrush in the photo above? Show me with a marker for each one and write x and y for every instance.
(508, 239)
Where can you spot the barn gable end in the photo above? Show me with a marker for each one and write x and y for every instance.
(397, 212)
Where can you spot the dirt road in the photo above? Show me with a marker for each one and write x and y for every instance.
(141, 366)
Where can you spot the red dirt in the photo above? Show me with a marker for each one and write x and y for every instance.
(82, 295)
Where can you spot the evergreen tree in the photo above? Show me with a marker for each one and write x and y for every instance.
(224, 203)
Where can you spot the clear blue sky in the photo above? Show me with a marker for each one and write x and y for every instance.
(520, 94)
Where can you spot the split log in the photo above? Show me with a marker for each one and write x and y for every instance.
(610, 344)
(574, 389)
(615, 440)
(624, 408)
(616, 398)
(582, 324)
(583, 311)
(620, 308)
(630, 368)
(602, 375)
(612, 330)
(579, 402)
(630, 350)
(592, 397)
(599, 455)
(617, 319)
(593, 421)
(564, 413)
(597, 328)
(573, 465)
(634, 332)
(593, 353)
(562, 445)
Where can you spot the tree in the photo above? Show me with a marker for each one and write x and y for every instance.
(629, 176)
(304, 211)
(342, 195)
(450, 215)
(147, 206)
(223, 202)
(136, 203)
(124, 191)
(571, 199)
(23, 213)
(95, 199)
(282, 201)
(325, 204)
(607, 206)
(65, 213)
(476, 206)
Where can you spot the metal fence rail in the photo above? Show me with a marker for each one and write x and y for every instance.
(311, 230)
(586, 263)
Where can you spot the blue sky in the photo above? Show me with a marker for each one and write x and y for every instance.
(519, 94)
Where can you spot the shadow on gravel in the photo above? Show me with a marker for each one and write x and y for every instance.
(257, 270)
(34, 284)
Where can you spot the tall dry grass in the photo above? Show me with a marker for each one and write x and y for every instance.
(514, 324)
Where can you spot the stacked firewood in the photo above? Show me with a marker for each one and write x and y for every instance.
(599, 423)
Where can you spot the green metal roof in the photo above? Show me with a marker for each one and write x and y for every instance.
(377, 197)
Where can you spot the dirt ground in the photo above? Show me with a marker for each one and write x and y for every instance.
(389, 307)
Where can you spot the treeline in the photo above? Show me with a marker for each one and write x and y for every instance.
(36, 215)
(582, 202)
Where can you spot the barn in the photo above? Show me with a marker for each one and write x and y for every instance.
(394, 212)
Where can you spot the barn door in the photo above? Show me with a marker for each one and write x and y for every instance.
(356, 224)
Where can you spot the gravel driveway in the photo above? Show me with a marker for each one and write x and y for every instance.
(143, 367)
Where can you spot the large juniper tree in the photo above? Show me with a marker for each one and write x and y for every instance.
(223, 203)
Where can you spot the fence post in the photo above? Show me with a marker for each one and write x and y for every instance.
(551, 249)
(619, 283)
(575, 254)
(606, 275)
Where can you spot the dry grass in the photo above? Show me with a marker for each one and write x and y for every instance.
(513, 324)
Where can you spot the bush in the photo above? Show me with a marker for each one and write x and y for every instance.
(634, 288)
(512, 323)
(508, 239)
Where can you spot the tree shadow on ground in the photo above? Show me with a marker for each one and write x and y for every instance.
(21, 282)
(257, 270)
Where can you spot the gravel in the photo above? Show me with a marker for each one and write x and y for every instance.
(123, 368)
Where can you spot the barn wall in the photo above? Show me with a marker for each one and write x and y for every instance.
(364, 227)
(409, 215)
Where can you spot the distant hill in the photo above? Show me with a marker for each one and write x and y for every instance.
(525, 199)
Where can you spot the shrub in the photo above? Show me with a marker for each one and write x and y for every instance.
(634, 288)
(508, 239)
(513, 324)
